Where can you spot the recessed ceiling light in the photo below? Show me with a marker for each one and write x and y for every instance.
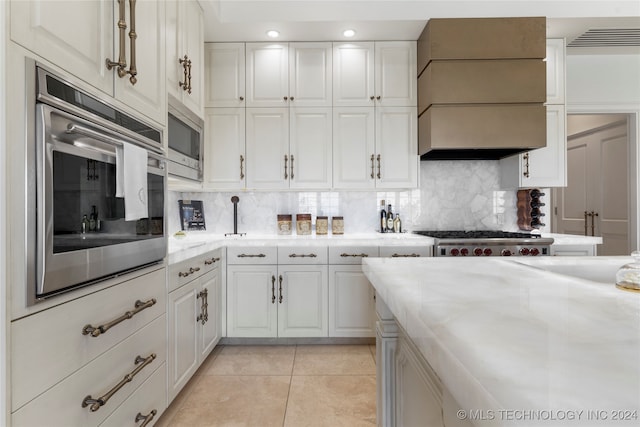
(273, 34)
(349, 33)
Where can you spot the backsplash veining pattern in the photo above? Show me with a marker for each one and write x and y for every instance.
(452, 195)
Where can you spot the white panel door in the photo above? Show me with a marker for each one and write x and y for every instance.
(351, 304)
(303, 301)
(224, 148)
(209, 331)
(396, 74)
(224, 75)
(353, 74)
(75, 35)
(310, 140)
(173, 15)
(396, 147)
(555, 71)
(193, 45)
(310, 74)
(251, 301)
(148, 94)
(183, 341)
(267, 76)
(353, 148)
(267, 141)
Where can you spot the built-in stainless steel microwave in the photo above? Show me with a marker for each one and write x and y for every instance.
(185, 142)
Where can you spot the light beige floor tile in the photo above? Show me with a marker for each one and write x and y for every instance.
(253, 360)
(206, 364)
(178, 401)
(334, 360)
(373, 352)
(235, 401)
(334, 401)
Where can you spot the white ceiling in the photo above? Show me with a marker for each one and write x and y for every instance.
(320, 20)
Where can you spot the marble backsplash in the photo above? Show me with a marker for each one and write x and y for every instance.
(452, 195)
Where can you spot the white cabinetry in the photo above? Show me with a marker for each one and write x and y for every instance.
(194, 316)
(224, 148)
(185, 54)
(375, 147)
(80, 36)
(225, 75)
(574, 250)
(545, 167)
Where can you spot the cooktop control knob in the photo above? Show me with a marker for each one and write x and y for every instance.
(524, 251)
(464, 251)
(488, 251)
(477, 251)
(454, 252)
(505, 252)
(534, 252)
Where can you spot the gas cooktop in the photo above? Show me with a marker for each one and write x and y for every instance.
(477, 234)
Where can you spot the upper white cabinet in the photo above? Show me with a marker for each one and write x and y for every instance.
(545, 167)
(375, 147)
(224, 148)
(225, 75)
(185, 53)
(80, 36)
(380, 73)
(288, 74)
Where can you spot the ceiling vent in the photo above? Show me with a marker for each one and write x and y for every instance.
(608, 37)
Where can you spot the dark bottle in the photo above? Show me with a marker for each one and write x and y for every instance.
(383, 218)
(535, 213)
(536, 204)
(535, 223)
(93, 218)
(389, 219)
(535, 193)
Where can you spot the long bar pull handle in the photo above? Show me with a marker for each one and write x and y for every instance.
(280, 289)
(101, 401)
(372, 166)
(147, 418)
(292, 166)
(133, 71)
(593, 222)
(95, 331)
(189, 77)
(405, 256)
(586, 214)
(379, 175)
(122, 28)
(187, 273)
(286, 159)
(302, 255)
(525, 157)
(344, 255)
(203, 317)
(251, 256)
(241, 166)
(184, 62)
(273, 289)
(211, 261)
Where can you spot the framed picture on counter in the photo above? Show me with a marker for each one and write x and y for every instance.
(191, 215)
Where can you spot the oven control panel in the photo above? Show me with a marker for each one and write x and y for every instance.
(492, 250)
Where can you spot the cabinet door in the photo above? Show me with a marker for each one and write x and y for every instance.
(395, 74)
(252, 301)
(267, 78)
(310, 74)
(353, 74)
(183, 339)
(225, 74)
(175, 72)
(302, 301)
(148, 94)
(192, 32)
(75, 35)
(310, 147)
(396, 147)
(210, 331)
(224, 148)
(555, 71)
(267, 133)
(353, 148)
(351, 304)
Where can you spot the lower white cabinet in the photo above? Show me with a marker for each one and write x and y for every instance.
(351, 302)
(194, 321)
(574, 250)
(302, 301)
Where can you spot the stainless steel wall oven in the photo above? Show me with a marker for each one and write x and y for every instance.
(77, 233)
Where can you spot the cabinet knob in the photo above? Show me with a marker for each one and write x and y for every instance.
(242, 98)
(378, 97)
(292, 98)
(372, 97)
(285, 98)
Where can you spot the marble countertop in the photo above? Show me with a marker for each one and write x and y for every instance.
(522, 334)
(570, 239)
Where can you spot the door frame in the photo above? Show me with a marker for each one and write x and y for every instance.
(633, 124)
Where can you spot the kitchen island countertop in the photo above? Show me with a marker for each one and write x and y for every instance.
(507, 336)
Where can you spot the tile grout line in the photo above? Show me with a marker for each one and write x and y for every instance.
(293, 365)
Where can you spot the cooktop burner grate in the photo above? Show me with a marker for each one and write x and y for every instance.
(477, 234)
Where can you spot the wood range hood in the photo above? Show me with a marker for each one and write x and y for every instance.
(481, 87)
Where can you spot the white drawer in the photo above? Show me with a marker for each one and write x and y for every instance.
(351, 254)
(302, 255)
(252, 255)
(48, 346)
(150, 396)
(61, 405)
(405, 251)
(192, 268)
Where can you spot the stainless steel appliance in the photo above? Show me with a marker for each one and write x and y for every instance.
(487, 243)
(77, 233)
(185, 142)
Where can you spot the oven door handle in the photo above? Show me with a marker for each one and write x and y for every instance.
(73, 128)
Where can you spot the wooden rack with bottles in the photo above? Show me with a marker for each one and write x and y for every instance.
(530, 216)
